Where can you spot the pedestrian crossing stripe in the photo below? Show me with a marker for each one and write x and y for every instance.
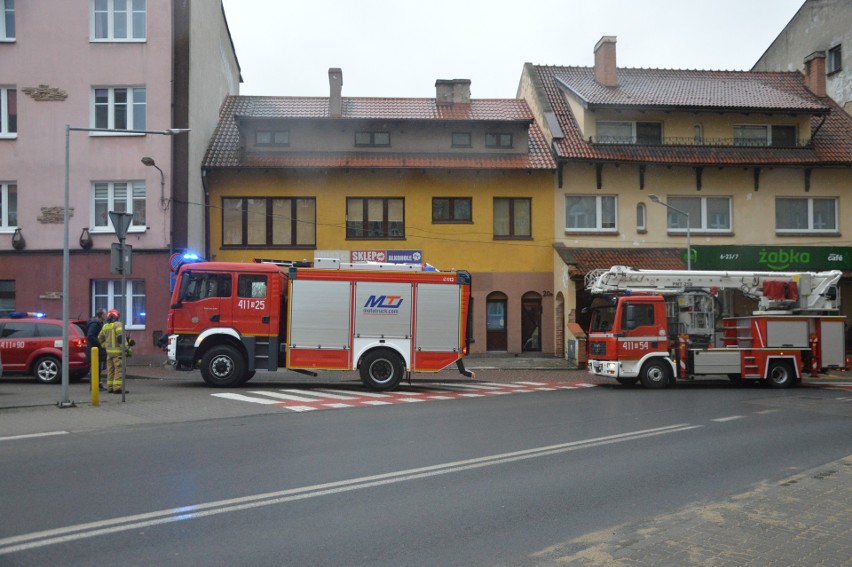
(305, 400)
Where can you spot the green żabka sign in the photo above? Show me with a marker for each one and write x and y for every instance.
(772, 258)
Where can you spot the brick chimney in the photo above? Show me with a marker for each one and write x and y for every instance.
(815, 73)
(335, 100)
(605, 72)
(452, 91)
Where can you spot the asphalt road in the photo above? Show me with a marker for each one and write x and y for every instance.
(513, 479)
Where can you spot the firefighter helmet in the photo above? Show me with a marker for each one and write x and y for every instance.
(113, 314)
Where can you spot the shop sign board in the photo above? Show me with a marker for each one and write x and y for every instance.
(772, 258)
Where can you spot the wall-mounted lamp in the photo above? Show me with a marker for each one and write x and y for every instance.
(18, 242)
(85, 239)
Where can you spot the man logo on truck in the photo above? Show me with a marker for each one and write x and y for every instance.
(382, 305)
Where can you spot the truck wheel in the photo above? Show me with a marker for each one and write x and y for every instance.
(382, 370)
(780, 375)
(656, 374)
(223, 367)
(627, 381)
(47, 370)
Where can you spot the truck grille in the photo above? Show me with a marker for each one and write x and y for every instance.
(597, 348)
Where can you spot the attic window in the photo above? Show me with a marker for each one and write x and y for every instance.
(835, 61)
(611, 132)
(461, 139)
(365, 138)
(498, 140)
(272, 138)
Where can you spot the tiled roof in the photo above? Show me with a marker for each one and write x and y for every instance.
(698, 90)
(678, 89)
(582, 260)
(225, 151)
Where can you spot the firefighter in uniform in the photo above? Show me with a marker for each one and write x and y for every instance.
(112, 338)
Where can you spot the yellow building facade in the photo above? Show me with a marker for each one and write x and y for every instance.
(455, 185)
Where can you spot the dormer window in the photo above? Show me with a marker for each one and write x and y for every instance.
(764, 135)
(461, 140)
(501, 140)
(612, 132)
(366, 138)
(272, 138)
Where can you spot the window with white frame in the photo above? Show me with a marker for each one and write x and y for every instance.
(800, 214)
(706, 214)
(8, 205)
(8, 112)
(640, 217)
(118, 196)
(106, 294)
(118, 20)
(7, 22)
(584, 213)
(119, 108)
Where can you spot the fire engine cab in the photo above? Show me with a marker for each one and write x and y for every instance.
(656, 326)
(231, 319)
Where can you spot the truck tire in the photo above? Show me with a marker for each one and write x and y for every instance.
(627, 381)
(223, 367)
(48, 370)
(656, 374)
(382, 369)
(780, 375)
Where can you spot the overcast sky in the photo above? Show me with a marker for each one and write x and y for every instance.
(399, 48)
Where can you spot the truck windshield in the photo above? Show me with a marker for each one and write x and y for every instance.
(602, 318)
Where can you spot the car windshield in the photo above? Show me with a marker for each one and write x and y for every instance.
(602, 318)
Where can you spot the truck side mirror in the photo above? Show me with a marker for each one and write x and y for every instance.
(831, 293)
(177, 305)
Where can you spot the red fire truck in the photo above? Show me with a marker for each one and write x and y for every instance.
(655, 326)
(230, 319)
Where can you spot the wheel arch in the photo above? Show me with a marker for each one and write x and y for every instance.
(215, 337)
(792, 359)
(367, 349)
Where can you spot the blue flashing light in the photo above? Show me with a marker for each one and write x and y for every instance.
(191, 257)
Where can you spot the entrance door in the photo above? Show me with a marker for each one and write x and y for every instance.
(531, 323)
(495, 323)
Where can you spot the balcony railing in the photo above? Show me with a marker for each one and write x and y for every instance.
(697, 142)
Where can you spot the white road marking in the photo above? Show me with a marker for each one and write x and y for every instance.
(102, 528)
(766, 411)
(280, 396)
(243, 398)
(31, 435)
(729, 418)
(320, 394)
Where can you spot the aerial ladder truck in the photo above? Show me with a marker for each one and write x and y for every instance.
(658, 326)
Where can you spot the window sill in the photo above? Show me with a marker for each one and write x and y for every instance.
(117, 40)
(513, 237)
(131, 230)
(592, 232)
(375, 238)
(268, 247)
(8, 136)
(452, 221)
(806, 234)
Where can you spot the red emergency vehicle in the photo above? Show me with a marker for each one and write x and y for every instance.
(656, 326)
(231, 319)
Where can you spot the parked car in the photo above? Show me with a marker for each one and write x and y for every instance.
(30, 345)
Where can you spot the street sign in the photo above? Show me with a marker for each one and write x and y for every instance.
(121, 263)
(120, 222)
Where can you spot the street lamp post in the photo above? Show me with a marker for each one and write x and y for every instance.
(65, 402)
(656, 199)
